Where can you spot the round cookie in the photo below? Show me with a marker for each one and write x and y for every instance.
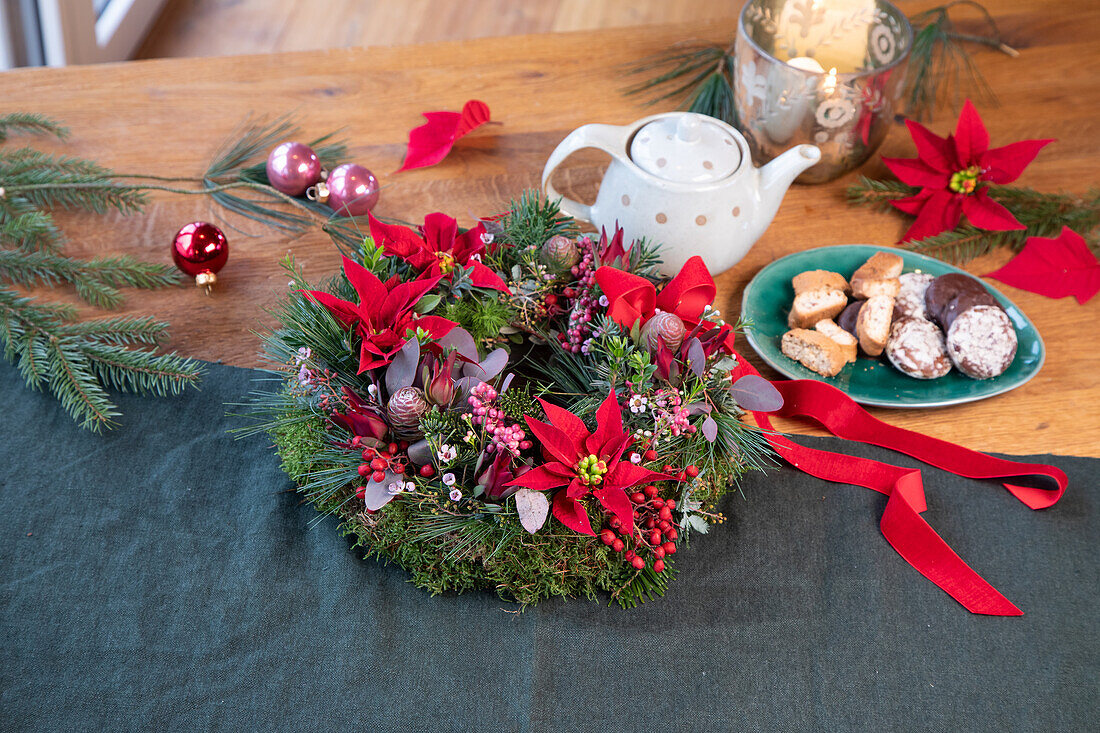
(945, 288)
(848, 316)
(917, 348)
(982, 342)
(964, 302)
(909, 302)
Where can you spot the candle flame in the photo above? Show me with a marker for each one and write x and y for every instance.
(829, 84)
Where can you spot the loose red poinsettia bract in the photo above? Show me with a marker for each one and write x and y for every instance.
(1054, 267)
(432, 141)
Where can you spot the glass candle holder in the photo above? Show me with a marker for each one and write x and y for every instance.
(824, 72)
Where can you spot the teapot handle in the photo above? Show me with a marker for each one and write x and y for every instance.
(609, 138)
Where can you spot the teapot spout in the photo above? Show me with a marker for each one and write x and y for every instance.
(776, 177)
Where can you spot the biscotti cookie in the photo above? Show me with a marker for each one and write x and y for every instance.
(873, 324)
(877, 276)
(812, 306)
(909, 302)
(814, 350)
(846, 341)
(805, 282)
(982, 342)
(917, 348)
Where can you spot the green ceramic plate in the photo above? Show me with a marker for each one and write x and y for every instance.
(871, 381)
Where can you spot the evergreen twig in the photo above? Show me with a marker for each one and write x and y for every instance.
(30, 123)
(1043, 215)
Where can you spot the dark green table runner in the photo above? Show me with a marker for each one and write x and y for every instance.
(162, 577)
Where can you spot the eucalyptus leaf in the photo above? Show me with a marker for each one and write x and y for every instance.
(377, 493)
(402, 370)
(697, 358)
(710, 429)
(756, 394)
(420, 453)
(461, 341)
(533, 508)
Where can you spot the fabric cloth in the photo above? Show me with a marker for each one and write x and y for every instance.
(163, 576)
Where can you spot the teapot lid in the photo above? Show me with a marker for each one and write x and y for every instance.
(687, 147)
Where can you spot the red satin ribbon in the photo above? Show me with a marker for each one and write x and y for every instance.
(901, 523)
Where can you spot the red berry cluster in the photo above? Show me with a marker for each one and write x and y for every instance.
(381, 459)
(656, 533)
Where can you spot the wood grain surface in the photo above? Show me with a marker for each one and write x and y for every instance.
(169, 116)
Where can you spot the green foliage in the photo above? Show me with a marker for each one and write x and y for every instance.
(237, 161)
(532, 219)
(697, 76)
(76, 360)
(30, 123)
(1043, 215)
(482, 317)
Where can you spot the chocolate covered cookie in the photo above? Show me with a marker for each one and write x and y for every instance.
(917, 348)
(944, 289)
(848, 316)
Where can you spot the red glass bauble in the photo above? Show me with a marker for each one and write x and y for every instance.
(292, 168)
(200, 250)
(352, 190)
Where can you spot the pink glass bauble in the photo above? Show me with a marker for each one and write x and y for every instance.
(292, 168)
(352, 190)
(200, 250)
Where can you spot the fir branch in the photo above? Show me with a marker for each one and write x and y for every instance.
(698, 75)
(76, 360)
(532, 219)
(24, 227)
(96, 281)
(30, 123)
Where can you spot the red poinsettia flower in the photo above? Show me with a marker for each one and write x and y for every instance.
(632, 298)
(438, 248)
(950, 171)
(585, 463)
(384, 314)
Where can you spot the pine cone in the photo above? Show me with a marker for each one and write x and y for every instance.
(666, 325)
(560, 253)
(404, 409)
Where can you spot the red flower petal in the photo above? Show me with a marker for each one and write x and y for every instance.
(540, 478)
(439, 232)
(941, 212)
(615, 500)
(554, 441)
(985, 213)
(629, 296)
(400, 242)
(437, 326)
(1054, 267)
(914, 172)
(624, 475)
(567, 422)
(370, 289)
(345, 312)
(934, 151)
(913, 204)
(1005, 164)
(430, 143)
(609, 426)
(571, 513)
(971, 138)
(484, 277)
(689, 292)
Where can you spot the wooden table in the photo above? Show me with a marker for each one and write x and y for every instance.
(169, 116)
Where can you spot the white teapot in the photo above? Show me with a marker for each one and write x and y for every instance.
(683, 180)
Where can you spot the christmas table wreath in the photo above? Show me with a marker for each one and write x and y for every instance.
(513, 407)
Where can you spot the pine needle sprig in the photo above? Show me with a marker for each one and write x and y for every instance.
(30, 123)
(699, 76)
(236, 161)
(532, 219)
(26, 228)
(941, 70)
(1042, 214)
